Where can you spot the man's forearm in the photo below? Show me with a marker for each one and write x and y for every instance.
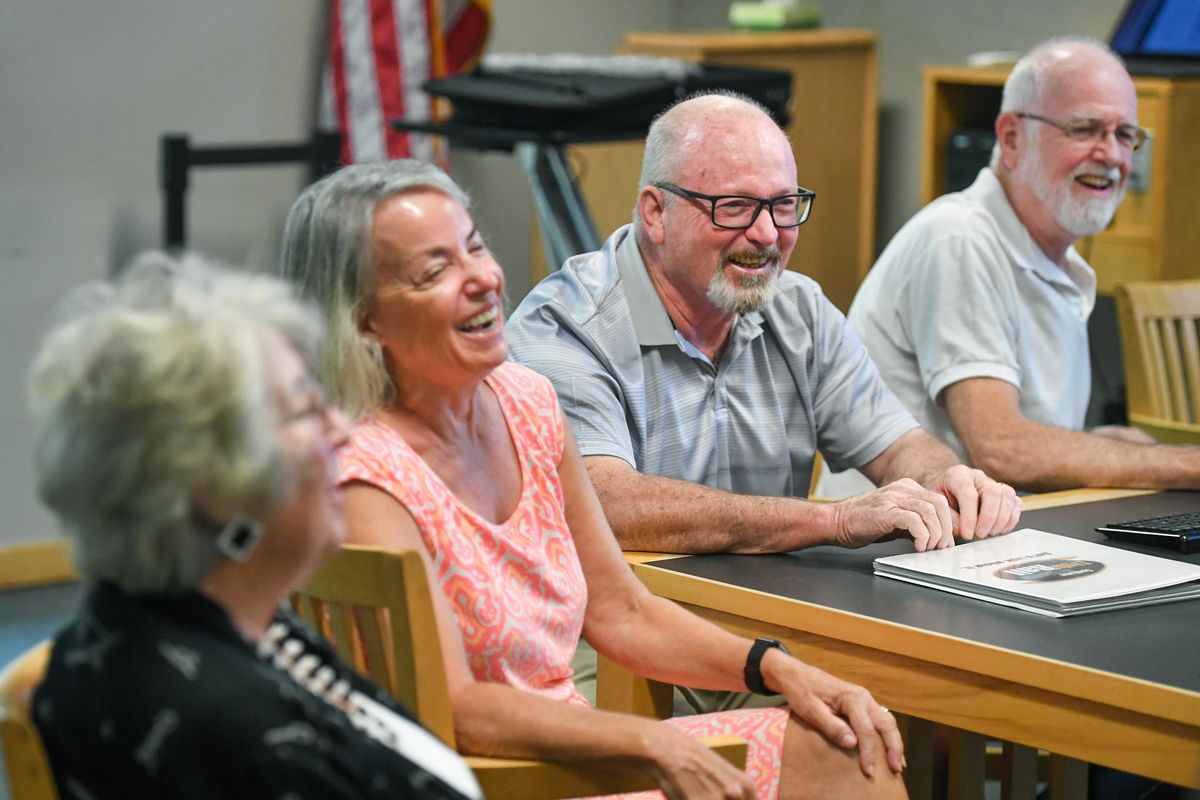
(915, 455)
(1005, 444)
(647, 512)
(1044, 458)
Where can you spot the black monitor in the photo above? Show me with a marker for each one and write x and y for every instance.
(1159, 37)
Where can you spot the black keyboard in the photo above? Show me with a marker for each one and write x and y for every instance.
(1177, 531)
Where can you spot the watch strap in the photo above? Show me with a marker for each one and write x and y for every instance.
(753, 671)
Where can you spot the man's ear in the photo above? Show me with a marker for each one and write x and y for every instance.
(650, 207)
(1010, 138)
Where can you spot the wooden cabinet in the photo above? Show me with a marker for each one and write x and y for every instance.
(833, 130)
(1156, 231)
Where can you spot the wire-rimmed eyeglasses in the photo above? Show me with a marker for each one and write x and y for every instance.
(1128, 136)
(739, 211)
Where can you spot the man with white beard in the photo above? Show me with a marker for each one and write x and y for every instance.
(976, 312)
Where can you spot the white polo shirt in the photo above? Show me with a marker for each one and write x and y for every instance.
(963, 291)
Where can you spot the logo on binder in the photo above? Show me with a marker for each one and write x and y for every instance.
(1055, 568)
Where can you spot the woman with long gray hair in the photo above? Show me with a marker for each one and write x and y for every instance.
(467, 458)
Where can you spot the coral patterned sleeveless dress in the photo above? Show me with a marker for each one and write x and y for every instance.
(517, 588)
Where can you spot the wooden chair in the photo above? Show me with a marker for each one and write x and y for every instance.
(814, 482)
(29, 775)
(1161, 348)
(375, 607)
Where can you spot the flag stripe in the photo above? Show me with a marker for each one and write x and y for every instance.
(388, 74)
(366, 120)
(464, 38)
(413, 37)
(380, 54)
(337, 83)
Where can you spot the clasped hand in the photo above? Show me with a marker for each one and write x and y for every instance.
(960, 502)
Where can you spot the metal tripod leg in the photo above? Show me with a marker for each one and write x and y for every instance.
(566, 223)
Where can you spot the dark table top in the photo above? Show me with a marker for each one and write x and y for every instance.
(1160, 643)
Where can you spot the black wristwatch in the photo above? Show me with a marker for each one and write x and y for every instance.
(753, 672)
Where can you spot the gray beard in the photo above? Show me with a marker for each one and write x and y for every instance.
(749, 295)
(1078, 218)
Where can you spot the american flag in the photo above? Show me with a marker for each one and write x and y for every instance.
(380, 52)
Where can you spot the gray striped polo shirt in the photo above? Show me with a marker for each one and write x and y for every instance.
(793, 378)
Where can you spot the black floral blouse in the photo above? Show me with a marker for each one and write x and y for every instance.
(161, 696)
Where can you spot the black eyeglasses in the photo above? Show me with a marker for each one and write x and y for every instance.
(738, 211)
(1128, 136)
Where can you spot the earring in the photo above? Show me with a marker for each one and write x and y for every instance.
(238, 539)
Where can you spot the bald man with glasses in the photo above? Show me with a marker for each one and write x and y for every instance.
(700, 376)
(976, 312)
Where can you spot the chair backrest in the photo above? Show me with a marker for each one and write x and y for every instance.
(818, 472)
(29, 775)
(375, 607)
(1161, 347)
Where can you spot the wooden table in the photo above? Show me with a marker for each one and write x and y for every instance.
(1120, 689)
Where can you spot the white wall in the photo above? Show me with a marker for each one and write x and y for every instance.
(86, 89)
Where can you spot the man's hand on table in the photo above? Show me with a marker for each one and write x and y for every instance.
(959, 502)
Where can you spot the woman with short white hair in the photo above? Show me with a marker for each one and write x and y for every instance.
(187, 450)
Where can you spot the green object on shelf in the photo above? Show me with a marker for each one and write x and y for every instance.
(762, 16)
